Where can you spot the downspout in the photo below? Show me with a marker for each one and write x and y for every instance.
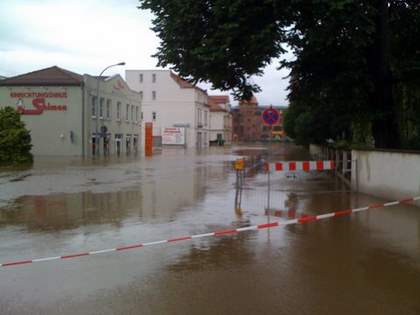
(83, 118)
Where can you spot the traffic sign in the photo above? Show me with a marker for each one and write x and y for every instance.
(270, 116)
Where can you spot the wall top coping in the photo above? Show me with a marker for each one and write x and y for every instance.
(390, 151)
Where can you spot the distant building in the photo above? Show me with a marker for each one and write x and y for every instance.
(61, 110)
(2, 77)
(220, 119)
(248, 125)
(171, 102)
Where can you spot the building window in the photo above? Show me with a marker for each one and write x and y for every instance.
(101, 107)
(118, 110)
(154, 78)
(205, 118)
(153, 95)
(141, 116)
(108, 109)
(94, 100)
(141, 77)
(127, 111)
(132, 112)
(141, 95)
(137, 113)
(154, 115)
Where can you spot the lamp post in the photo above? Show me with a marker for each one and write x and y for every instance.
(97, 105)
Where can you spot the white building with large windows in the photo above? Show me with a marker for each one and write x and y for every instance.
(168, 101)
(62, 111)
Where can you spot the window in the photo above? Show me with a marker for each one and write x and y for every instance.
(141, 77)
(153, 95)
(94, 100)
(132, 112)
(127, 112)
(141, 116)
(205, 118)
(141, 95)
(118, 110)
(101, 107)
(154, 78)
(108, 109)
(137, 113)
(154, 115)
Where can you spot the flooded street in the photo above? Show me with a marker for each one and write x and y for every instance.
(368, 263)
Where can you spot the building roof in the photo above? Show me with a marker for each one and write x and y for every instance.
(184, 84)
(220, 99)
(49, 76)
(214, 106)
(252, 101)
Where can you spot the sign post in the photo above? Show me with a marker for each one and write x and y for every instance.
(270, 117)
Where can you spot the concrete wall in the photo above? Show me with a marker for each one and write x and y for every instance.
(390, 175)
(50, 130)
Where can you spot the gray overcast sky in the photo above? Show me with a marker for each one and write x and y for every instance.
(86, 35)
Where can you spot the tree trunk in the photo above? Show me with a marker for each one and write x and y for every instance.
(385, 127)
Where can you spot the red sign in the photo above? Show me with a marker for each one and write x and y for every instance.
(270, 116)
(39, 103)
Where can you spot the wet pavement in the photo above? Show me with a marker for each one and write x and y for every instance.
(367, 264)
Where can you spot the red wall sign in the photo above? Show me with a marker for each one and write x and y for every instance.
(39, 102)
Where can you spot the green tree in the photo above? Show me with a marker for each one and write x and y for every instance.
(15, 139)
(351, 55)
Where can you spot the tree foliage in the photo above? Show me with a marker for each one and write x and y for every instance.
(354, 67)
(15, 139)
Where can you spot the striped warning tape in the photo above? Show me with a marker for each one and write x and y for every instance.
(301, 220)
(301, 166)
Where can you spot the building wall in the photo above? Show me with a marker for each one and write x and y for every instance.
(391, 175)
(119, 129)
(53, 132)
(217, 125)
(172, 105)
(248, 125)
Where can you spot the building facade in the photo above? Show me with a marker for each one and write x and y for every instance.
(220, 119)
(170, 101)
(65, 117)
(248, 125)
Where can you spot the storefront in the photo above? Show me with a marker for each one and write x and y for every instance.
(65, 116)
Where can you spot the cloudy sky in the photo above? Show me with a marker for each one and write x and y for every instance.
(84, 36)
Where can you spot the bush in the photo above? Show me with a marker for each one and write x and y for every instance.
(15, 139)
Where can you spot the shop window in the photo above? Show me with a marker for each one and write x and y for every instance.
(93, 104)
(108, 108)
(153, 95)
(154, 78)
(118, 110)
(127, 112)
(141, 77)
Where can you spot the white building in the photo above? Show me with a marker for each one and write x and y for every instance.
(220, 119)
(170, 101)
(60, 109)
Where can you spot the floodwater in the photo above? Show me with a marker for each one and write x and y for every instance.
(368, 263)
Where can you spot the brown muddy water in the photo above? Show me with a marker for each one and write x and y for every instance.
(365, 264)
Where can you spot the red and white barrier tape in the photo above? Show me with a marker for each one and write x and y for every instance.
(301, 220)
(301, 166)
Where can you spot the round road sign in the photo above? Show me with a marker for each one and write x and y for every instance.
(270, 116)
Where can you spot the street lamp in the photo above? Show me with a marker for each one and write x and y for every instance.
(97, 104)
